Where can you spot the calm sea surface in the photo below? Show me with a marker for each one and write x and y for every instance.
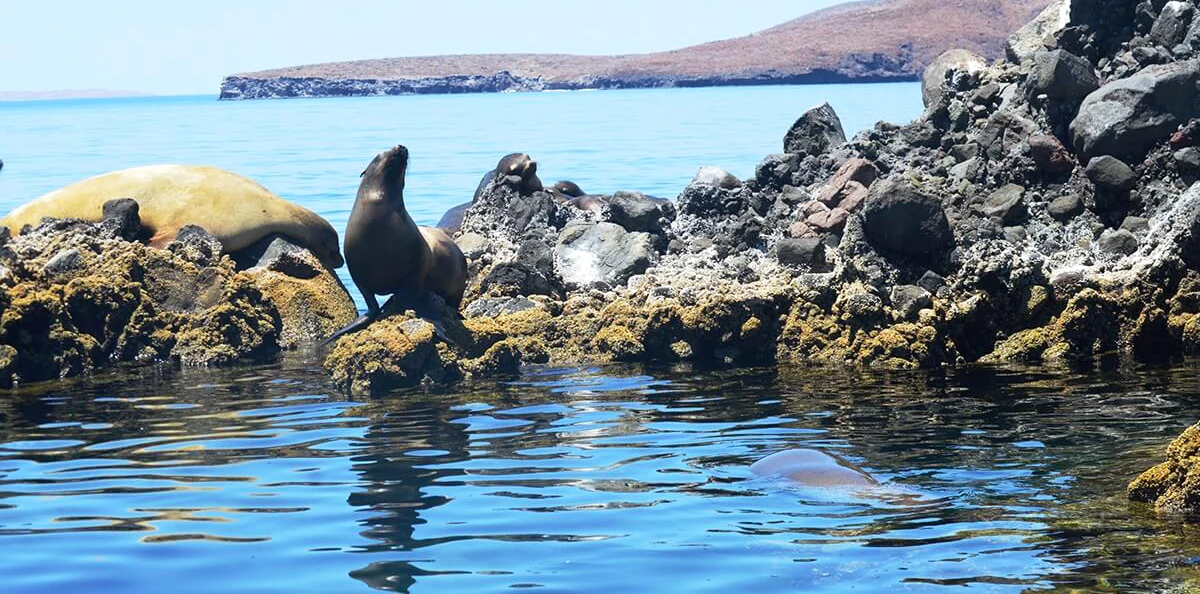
(612, 479)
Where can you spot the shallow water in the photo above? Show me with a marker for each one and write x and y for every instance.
(594, 480)
(311, 151)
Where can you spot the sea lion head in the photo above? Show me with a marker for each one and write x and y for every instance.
(326, 247)
(568, 188)
(384, 176)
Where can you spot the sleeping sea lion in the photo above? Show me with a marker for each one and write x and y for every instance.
(234, 209)
(387, 253)
(515, 164)
(813, 468)
(568, 189)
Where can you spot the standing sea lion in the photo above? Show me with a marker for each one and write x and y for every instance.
(387, 253)
(515, 164)
(234, 209)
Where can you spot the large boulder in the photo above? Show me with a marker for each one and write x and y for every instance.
(953, 70)
(1059, 74)
(1174, 485)
(900, 218)
(817, 131)
(1124, 118)
(1172, 24)
(591, 253)
(1038, 34)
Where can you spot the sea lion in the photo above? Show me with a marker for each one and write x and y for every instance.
(236, 210)
(513, 164)
(813, 468)
(1, 164)
(387, 253)
(594, 203)
(567, 188)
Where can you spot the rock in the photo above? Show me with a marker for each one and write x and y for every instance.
(1173, 486)
(715, 176)
(954, 70)
(1007, 204)
(776, 171)
(799, 229)
(1135, 224)
(196, 244)
(1172, 24)
(808, 252)
(1188, 159)
(638, 212)
(1065, 207)
(815, 132)
(830, 220)
(1039, 34)
(1111, 174)
(311, 300)
(848, 187)
(931, 281)
(120, 217)
(1124, 118)
(1059, 74)
(473, 245)
(1050, 155)
(590, 253)
(907, 300)
(64, 262)
(1120, 242)
(495, 307)
(900, 218)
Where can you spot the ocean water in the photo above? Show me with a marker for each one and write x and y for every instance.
(311, 151)
(601, 479)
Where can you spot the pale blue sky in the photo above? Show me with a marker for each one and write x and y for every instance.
(180, 47)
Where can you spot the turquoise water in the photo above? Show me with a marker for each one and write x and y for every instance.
(613, 479)
(311, 151)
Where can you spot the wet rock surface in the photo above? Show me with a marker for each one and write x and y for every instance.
(76, 297)
(1014, 221)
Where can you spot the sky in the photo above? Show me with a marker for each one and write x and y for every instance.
(173, 47)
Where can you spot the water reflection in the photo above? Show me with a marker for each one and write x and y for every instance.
(1003, 480)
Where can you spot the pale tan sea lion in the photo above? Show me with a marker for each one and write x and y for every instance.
(387, 253)
(236, 210)
(813, 468)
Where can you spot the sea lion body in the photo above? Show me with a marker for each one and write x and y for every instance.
(513, 164)
(385, 250)
(813, 468)
(594, 203)
(236, 210)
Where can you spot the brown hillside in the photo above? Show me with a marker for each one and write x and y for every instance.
(861, 39)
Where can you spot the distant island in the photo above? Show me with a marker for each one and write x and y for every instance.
(872, 41)
(68, 94)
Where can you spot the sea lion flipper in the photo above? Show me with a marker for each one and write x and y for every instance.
(361, 322)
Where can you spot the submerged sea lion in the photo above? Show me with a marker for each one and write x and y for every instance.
(515, 164)
(813, 468)
(387, 253)
(236, 210)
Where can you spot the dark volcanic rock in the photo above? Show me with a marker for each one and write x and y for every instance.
(900, 218)
(1111, 174)
(1060, 74)
(1119, 241)
(590, 253)
(638, 212)
(806, 252)
(1126, 117)
(1007, 204)
(1172, 24)
(1065, 207)
(120, 217)
(907, 300)
(815, 133)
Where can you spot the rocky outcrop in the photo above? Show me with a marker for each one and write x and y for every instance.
(76, 297)
(1173, 486)
(891, 40)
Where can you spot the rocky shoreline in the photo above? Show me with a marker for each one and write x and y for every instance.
(285, 87)
(1045, 208)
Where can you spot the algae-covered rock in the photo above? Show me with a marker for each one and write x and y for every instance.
(1173, 486)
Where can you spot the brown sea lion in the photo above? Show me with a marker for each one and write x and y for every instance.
(513, 164)
(567, 188)
(813, 468)
(234, 209)
(387, 253)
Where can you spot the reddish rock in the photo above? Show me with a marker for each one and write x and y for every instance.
(814, 207)
(852, 179)
(1050, 155)
(799, 229)
(833, 220)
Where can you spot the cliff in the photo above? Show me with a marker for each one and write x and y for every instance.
(874, 41)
